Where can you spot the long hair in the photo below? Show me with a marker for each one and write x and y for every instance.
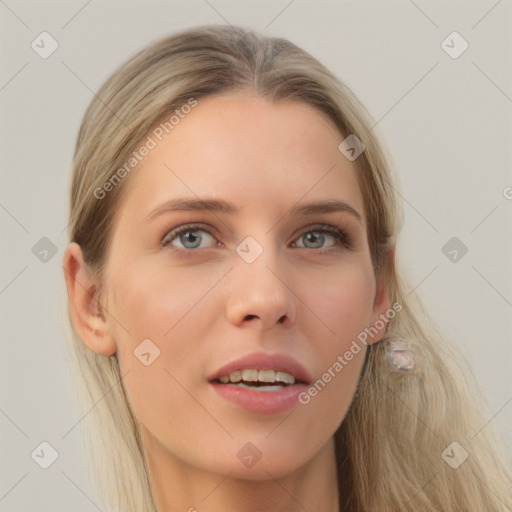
(390, 445)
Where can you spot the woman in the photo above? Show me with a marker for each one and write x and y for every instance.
(239, 321)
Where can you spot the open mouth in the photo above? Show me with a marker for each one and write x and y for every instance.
(261, 383)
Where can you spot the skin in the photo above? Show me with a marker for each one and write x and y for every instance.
(209, 306)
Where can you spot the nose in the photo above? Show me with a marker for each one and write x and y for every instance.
(260, 293)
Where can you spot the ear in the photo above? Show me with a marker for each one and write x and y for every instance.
(382, 301)
(84, 306)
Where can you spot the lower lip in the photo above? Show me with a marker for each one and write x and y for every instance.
(262, 402)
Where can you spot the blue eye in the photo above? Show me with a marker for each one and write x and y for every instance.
(320, 235)
(186, 235)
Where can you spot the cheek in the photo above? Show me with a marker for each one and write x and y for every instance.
(155, 317)
(343, 301)
(154, 303)
(345, 306)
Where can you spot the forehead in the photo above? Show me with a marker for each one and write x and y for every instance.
(263, 156)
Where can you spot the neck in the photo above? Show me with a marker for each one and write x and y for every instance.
(179, 487)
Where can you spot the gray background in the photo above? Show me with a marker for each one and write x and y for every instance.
(446, 122)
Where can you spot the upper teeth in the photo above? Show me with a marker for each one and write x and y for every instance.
(252, 375)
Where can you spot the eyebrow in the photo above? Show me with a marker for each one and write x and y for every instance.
(221, 206)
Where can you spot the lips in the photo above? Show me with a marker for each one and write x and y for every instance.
(259, 396)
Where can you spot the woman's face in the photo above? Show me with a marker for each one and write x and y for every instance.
(252, 278)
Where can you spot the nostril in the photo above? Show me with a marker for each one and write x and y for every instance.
(251, 317)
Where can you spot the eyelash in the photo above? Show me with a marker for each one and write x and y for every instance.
(343, 241)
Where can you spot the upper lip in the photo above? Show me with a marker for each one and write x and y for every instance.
(264, 361)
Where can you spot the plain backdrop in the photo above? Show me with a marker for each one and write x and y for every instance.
(446, 120)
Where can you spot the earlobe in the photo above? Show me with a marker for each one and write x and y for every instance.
(85, 308)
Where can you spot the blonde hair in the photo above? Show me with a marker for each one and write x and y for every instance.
(390, 443)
